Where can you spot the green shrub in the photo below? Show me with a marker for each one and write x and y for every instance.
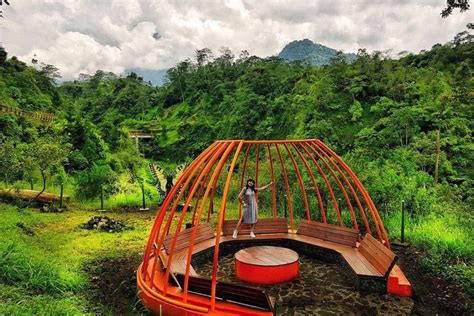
(89, 181)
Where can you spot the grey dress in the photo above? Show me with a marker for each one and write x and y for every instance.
(250, 211)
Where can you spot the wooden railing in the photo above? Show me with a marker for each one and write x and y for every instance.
(40, 116)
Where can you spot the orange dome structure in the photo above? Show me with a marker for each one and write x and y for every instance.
(317, 205)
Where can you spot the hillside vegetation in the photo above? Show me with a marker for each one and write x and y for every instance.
(382, 115)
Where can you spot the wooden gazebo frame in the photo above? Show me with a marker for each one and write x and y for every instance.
(310, 160)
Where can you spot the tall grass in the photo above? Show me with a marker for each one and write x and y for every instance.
(446, 237)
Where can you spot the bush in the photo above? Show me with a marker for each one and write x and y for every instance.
(89, 181)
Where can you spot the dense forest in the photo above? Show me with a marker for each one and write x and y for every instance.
(403, 124)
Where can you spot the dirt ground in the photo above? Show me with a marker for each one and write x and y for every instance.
(113, 284)
(433, 295)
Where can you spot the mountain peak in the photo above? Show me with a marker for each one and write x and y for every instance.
(308, 51)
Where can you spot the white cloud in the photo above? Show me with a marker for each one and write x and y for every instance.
(86, 35)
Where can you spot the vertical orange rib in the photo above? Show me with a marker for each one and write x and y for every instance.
(181, 218)
(211, 200)
(287, 186)
(220, 223)
(273, 180)
(166, 229)
(373, 210)
(351, 188)
(321, 172)
(298, 175)
(256, 171)
(215, 174)
(188, 174)
(196, 182)
(198, 198)
(341, 187)
(162, 212)
(244, 166)
(318, 194)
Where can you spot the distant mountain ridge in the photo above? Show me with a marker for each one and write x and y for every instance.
(313, 53)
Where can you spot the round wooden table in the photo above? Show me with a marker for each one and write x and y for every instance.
(266, 264)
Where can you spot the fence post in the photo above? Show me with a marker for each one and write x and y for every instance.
(144, 208)
(437, 157)
(31, 184)
(101, 198)
(61, 197)
(402, 237)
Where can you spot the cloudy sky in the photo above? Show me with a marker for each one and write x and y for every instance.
(81, 36)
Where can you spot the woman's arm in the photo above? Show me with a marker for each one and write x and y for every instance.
(265, 187)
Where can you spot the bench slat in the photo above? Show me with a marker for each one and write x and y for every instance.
(238, 294)
(263, 226)
(204, 232)
(342, 235)
(377, 254)
(328, 228)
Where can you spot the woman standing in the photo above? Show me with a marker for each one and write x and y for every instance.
(249, 202)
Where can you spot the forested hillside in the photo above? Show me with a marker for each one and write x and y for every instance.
(313, 53)
(383, 115)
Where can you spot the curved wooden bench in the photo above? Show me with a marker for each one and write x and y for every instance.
(370, 261)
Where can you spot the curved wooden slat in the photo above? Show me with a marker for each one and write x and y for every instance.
(287, 187)
(382, 235)
(349, 185)
(300, 181)
(215, 174)
(326, 181)
(340, 185)
(273, 180)
(313, 180)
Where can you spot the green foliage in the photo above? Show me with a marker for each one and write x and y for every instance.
(89, 181)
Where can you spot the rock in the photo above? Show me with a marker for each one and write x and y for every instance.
(105, 224)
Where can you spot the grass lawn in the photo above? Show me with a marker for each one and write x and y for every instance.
(45, 273)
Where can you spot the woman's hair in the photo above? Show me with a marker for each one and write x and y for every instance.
(252, 187)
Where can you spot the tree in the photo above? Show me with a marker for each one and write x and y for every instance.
(47, 154)
(3, 56)
(356, 110)
(10, 160)
(50, 71)
(203, 56)
(462, 5)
